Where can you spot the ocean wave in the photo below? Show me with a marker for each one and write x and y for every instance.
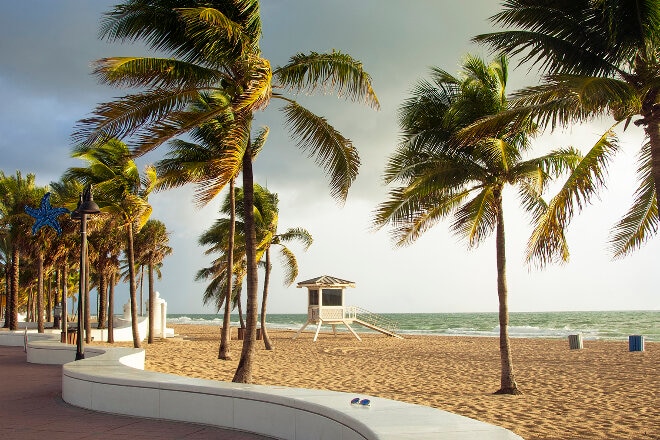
(592, 325)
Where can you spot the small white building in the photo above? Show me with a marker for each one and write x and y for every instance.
(325, 305)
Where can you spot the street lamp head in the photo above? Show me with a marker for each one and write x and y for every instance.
(88, 206)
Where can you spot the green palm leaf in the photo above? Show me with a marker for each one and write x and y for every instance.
(641, 221)
(330, 150)
(330, 72)
(584, 182)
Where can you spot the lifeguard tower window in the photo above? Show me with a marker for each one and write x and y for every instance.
(314, 297)
(332, 297)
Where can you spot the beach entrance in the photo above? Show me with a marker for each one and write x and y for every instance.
(325, 305)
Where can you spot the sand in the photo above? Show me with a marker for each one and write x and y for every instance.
(600, 392)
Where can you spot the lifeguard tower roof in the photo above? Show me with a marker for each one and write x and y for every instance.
(327, 281)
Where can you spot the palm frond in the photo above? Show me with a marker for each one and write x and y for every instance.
(125, 116)
(547, 240)
(411, 212)
(331, 72)
(557, 37)
(155, 73)
(301, 235)
(477, 218)
(562, 99)
(217, 35)
(547, 243)
(289, 264)
(641, 221)
(330, 150)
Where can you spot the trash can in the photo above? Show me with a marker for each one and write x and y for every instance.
(636, 343)
(575, 342)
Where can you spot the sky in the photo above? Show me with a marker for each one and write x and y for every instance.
(46, 86)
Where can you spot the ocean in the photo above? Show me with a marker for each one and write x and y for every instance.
(592, 325)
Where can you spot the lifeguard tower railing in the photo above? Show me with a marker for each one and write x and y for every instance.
(331, 313)
(351, 313)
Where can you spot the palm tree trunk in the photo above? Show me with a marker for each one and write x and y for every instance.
(244, 370)
(49, 299)
(507, 380)
(13, 291)
(224, 352)
(88, 311)
(111, 309)
(7, 291)
(40, 292)
(239, 304)
(65, 297)
(152, 303)
(264, 333)
(132, 289)
(141, 289)
(103, 297)
(652, 130)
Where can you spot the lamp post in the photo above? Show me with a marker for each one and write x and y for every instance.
(86, 206)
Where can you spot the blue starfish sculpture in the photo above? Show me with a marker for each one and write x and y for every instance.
(46, 215)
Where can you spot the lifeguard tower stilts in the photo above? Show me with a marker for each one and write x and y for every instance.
(325, 305)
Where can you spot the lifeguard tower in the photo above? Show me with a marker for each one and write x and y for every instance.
(325, 305)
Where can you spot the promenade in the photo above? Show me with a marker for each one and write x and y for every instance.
(31, 408)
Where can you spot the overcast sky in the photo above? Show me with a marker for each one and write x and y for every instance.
(46, 48)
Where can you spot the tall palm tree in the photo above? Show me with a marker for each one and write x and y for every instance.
(121, 191)
(289, 262)
(152, 246)
(267, 236)
(5, 260)
(198, 162)
(266, 220)
(16, 192)
(440, 179)
(600, 57)
(66, 193)
(105, 239)
(215, 48)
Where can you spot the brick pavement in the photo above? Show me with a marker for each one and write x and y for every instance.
(31, 408)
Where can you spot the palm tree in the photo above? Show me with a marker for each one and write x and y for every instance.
(5, 253)
(15, 193)
(600, 57)
(439, 179)
(266, 220)
(121, 191)
(215, 49)
(105, 239)
(67, 246)
(267, 236)
(198, 162)
(152, 247)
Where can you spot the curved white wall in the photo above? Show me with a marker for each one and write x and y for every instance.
(113, 380)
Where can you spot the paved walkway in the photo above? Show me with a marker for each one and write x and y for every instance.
(31, 408)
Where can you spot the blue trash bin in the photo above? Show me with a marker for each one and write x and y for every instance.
(636, 343)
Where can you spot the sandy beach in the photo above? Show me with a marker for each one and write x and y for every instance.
(600, 392)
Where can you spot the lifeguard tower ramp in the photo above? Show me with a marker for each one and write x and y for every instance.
(325, 306)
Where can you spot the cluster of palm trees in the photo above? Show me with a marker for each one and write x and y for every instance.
(464, 138)
(216, 237)
(209, 87)
(31, 261)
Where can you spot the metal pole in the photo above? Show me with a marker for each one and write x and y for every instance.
(80, 347)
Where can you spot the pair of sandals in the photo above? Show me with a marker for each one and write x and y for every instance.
(361, 402)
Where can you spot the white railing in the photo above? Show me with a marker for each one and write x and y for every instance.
(375, 320)
(329, 313)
